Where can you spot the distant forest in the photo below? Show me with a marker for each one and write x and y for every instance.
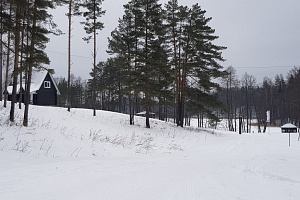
(163, 60)
(242, 96)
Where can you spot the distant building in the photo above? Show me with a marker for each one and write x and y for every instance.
(143, 114)
(43, 89)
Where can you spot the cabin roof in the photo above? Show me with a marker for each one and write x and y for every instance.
(289, 126)
(144, 113)
(37, 80)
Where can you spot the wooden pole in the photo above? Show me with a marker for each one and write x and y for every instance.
(240, 125)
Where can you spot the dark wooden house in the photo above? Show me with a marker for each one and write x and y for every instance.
(43, 89)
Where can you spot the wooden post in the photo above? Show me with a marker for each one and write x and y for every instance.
(289, 138)
(240, 125)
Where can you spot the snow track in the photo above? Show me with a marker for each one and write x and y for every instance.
(76, 156)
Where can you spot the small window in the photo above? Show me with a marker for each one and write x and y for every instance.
(47, 84)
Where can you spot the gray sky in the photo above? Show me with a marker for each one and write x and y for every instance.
(262, 36)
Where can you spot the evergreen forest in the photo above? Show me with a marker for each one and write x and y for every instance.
(163, 59)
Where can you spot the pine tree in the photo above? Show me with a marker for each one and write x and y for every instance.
(9, 26)
(151, 23)
(17, 33)
(22, 49)
(122, 44)
(1, 48)
(176, 17)
(198, 60)
(91, 25)
(73, 10)
(37, 14)
(167, 56)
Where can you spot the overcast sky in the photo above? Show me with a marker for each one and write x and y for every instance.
(262, 36)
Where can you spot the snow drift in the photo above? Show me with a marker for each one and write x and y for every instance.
(73, 155)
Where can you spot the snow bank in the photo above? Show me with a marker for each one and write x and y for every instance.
(54, 132)
(73, 155)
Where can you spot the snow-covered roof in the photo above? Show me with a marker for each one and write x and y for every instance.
(289, 126)
(144, 113)
(37, 80)
(10, 88)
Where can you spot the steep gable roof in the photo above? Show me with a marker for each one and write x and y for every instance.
(37, 80)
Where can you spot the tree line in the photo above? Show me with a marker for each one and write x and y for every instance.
(163, 58)
(25, 26)
(247, 99)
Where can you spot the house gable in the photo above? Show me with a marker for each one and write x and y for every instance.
(43, 89)
(47, 92)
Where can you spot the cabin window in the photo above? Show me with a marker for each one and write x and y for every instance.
(47, 84)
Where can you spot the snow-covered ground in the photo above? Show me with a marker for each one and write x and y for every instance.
(76, 156)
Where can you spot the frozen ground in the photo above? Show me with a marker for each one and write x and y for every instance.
(76, 156)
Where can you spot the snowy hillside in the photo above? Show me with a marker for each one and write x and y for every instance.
(76, 156)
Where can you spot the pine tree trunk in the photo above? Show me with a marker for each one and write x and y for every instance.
(129, 92)
(1, 54)
(247, 110)
(16, 64)
(7, 63)
(258, 125)
(147, 112)
(176, 73)
(120, 95)
(29, 75)
(69, 55)
(94, 78)
(21, 67)
(147, 68)
(130, 109)
(160, 109)
(179, 95)
(265, 127)
(164, 112)
(1, 67)
(27, 97)
(27, 57)
(21, 83)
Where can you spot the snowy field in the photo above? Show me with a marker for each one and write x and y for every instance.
(75, 156)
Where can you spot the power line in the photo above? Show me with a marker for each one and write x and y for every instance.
(260, 67)
(265, 67)
(73, 55)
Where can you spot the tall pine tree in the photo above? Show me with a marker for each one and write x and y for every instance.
(37, 16)
(122, 44)
(150, 27)
(91, 26)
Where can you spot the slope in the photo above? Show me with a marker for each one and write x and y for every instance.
(74, 155)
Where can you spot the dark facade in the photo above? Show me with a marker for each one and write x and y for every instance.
(47, 94)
